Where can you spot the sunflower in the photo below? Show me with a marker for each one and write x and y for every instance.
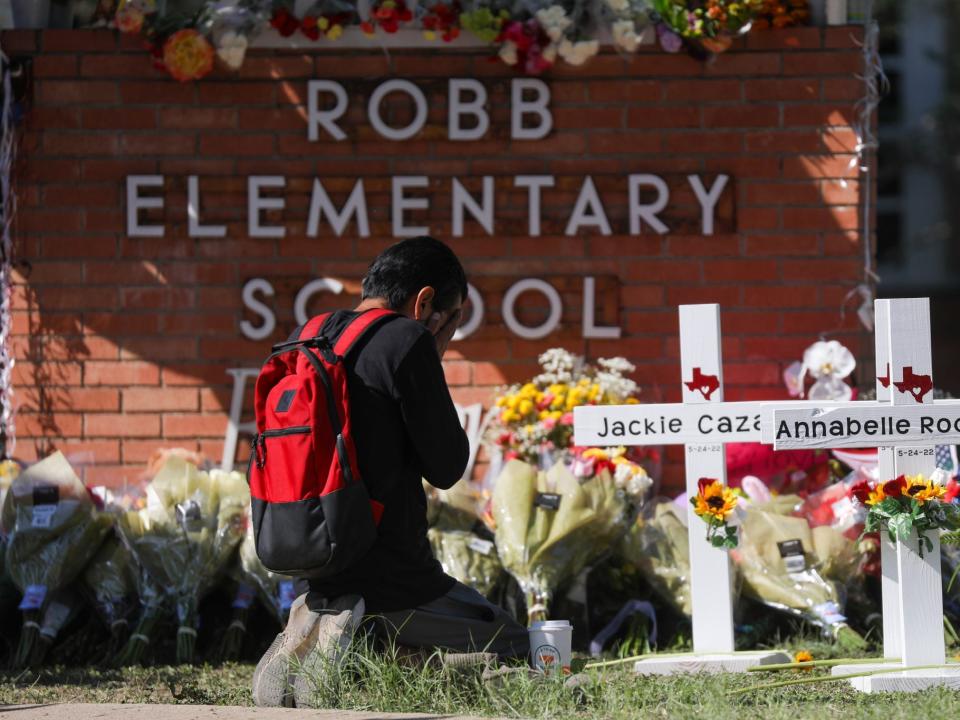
(923, 489)
(876, 496)
(714, 500)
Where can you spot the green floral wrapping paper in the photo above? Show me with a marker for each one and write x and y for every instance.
(185, 536)
(468, 558)
(658, 545)
(550, 525)
(53, 528)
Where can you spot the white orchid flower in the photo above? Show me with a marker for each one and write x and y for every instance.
(232, 49)
(828, 363)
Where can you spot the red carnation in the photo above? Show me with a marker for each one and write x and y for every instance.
(285, 22)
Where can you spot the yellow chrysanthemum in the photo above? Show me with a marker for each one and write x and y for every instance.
(715, 500)
(335, 32)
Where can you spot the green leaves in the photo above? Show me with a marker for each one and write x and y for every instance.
(900, 526)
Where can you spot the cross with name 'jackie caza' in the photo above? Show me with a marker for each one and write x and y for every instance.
(703, 423)
(906, 425)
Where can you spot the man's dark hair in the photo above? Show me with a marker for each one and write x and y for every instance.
(403, 269)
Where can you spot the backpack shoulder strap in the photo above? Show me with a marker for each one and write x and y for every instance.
(357, 328)
(312, 327)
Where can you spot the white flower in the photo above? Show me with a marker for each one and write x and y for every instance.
(550, 53)
(828, 359)
(829, 362)
(554, 21)
(618, 6)
(232, 48)
(579, 52)
(625, 35)
(508, 53)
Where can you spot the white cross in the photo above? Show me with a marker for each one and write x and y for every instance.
(907, 425)
(703, 424)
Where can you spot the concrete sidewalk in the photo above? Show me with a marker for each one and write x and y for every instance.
(91, 711)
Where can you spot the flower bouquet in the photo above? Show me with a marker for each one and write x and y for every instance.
(53, 530)
(110, 584)
(182, 540)
(467, 557)
(705, 26)
(550, 525)
(440, 18)
(658, 545)
(254, 582)
(782, 14)
(789, 566)
(627, 20)
(452, 509)
(908, 504)
(535, 419)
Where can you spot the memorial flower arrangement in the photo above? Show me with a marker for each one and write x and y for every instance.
(529, 35)
(535, 419)
(110, 582)
(908, 504)
(183, 540)
(714, 503)
(703, 26)
(53, 529)
(782, 14)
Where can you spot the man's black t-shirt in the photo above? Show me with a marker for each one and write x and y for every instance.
(405, 428)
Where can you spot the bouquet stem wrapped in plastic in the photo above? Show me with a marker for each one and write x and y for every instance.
(110, 582)
(53, 531)
(183, 540)
(468, 558)
(550, 525)
(787, 565)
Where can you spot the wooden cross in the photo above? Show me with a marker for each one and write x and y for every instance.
(703, 424)
(906, 429)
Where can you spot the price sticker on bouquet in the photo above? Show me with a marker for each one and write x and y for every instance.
(33, 597)
(42, 516)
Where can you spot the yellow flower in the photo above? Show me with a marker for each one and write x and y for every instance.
(715, 500)
(877, 495)
(631, 401)
(922, 489)
(543, 414)
(323, 23)
(429, 35)
(526, 407)
(803, 656)
(335, 32)
(513, 402)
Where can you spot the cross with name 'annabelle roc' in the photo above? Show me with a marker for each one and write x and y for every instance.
(906, 429)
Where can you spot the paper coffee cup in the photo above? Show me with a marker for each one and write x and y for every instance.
(551, 646)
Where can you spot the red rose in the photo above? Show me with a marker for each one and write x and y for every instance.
(309, 28)
(861, 491)
(895, 488)
(284, 22)
(704, 483)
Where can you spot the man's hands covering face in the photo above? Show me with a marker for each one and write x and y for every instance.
(443, 326)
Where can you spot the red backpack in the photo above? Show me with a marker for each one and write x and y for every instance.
(312, 514)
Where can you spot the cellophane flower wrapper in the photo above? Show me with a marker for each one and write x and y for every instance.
(550, 525)
(467, 557)
(787, 565)
(453, 509)
(658, 545)
(186, 535)
(266, 583)
(53, 530)
(110, 584)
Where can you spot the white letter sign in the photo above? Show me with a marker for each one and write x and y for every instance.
(135, 204)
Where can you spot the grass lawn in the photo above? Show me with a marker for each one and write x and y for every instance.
(374, 683)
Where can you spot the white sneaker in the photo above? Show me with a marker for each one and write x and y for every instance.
(324, 650)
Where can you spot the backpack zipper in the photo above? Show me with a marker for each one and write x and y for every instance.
(259, 445)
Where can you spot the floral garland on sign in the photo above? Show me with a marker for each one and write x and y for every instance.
(530, 35)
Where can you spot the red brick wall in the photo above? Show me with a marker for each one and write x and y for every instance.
(122, 343)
